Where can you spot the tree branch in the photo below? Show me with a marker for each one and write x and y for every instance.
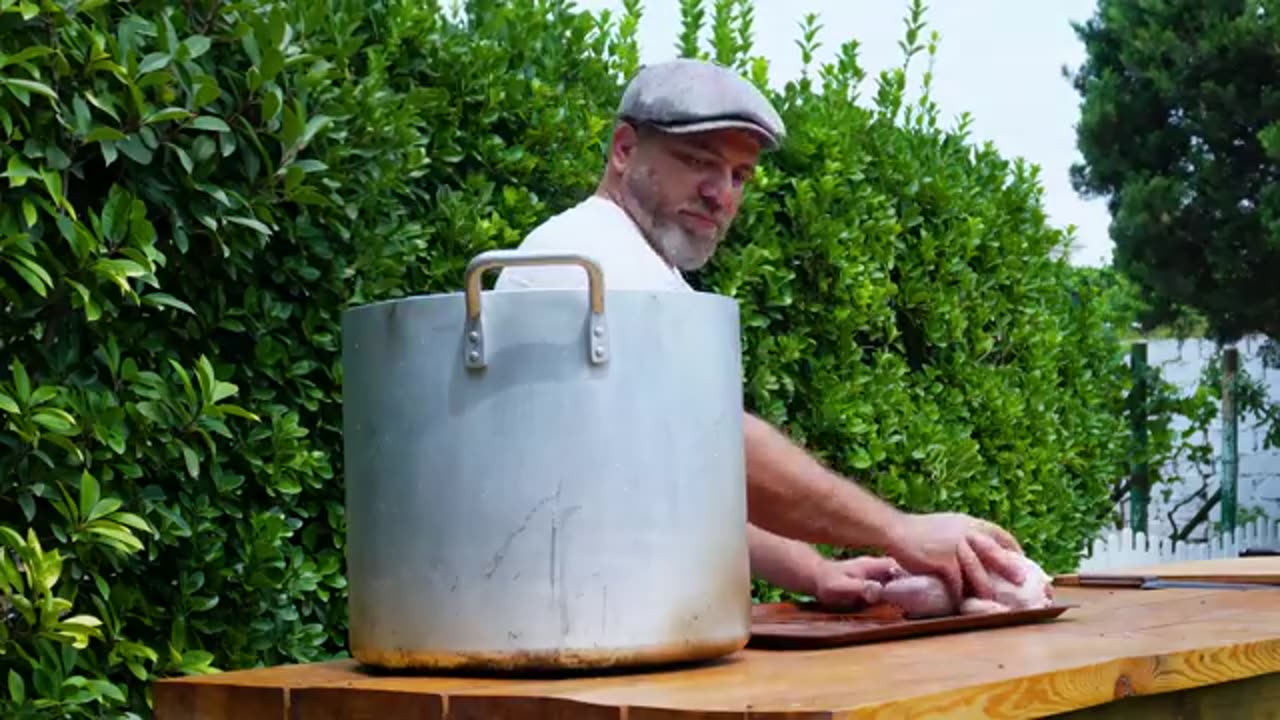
(1198, 519)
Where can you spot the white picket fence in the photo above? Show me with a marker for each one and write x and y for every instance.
(1126, 549)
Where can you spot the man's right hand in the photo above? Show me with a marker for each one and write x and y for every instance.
(960, 549)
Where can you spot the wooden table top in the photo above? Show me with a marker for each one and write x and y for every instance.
(1118, 642)
(1261, 569)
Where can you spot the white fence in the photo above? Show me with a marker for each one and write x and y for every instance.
(1126, 549)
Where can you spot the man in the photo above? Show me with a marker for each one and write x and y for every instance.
(686, 142)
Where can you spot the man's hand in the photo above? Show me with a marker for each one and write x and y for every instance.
(845, 583)
(959, 549)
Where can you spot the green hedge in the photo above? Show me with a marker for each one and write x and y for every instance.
(193, 194)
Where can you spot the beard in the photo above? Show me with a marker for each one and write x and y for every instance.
(677, 245)
(681, 247)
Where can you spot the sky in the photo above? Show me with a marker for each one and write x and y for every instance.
(999, 60)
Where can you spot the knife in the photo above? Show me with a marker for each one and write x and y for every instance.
(1163, 584)
(1151, 582)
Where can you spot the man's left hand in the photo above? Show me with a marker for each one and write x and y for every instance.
(855, 582)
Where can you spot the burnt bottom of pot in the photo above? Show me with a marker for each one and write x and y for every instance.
(555, 660)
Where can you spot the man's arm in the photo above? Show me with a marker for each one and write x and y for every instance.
(789, 564)
(800, 568)
(792, 494)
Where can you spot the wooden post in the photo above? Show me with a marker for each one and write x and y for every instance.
(1230, 449)
(1139, 478)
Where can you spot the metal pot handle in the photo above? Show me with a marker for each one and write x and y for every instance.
(598, 348)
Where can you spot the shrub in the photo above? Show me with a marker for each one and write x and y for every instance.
(194, 195)
(186, 194)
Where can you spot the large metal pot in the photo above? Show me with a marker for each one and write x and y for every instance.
(545, 478)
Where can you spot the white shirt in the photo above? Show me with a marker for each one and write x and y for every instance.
(599, 228)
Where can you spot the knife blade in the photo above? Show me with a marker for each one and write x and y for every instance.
(1204, 585)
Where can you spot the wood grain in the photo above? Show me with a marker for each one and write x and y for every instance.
(245, 695)
(336, 703)
(1116, 643)
(1089, 686)
(1256, 698)
(220, 702)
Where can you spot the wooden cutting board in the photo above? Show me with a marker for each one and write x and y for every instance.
(1262, 569)
(787, 625)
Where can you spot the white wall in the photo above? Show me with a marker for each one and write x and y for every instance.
(1259, 470)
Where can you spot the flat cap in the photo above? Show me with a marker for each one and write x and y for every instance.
(687, 95)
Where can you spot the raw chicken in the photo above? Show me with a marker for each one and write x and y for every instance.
(925, 596)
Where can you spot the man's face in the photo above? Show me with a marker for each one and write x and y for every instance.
(684, 190)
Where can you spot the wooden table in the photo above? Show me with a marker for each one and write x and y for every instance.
(1122, 653)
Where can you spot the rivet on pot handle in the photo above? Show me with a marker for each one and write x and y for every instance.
(597, 341)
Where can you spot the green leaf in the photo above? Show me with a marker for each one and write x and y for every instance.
(238, 411)
(107, 689)
(205, 376)
(49, 569)
(29, 277)
(192, 461)
(249, 223)
(71, 449)
(183, 157)
(203, 604)
(55, 420)
(115, 215)
(24, 55)
(223, 390)
(105, 507)
(110, 151)
(101, 105)
(152, 62)
(115, 535)
(196, 45)
(314, 126)
(89, 494)
(30, 85)
(11, 538)
(17, 688)
(196, 662)
(152, 412)
(35, 268)
(133, 521)
(83, 115)
(21, 382)
(136, 150)
(210, 122)
(18, 171)
(43, 394)
(119, 271)
(169, 113)
(272, 100)
(160, 299)
(206, 91)
(9, 405)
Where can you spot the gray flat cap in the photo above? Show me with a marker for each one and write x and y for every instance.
(687, 95)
